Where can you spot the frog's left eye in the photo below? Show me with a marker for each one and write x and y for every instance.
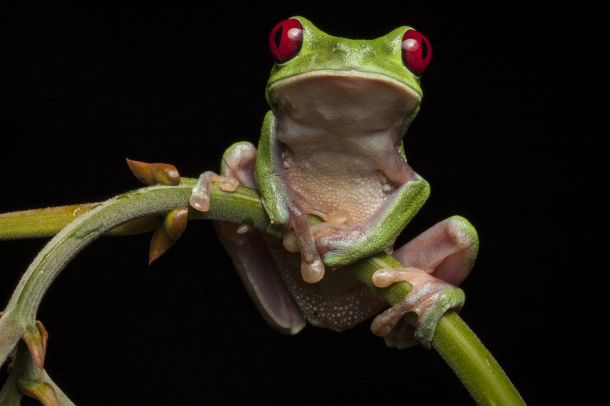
(416, 51)
(285, 39)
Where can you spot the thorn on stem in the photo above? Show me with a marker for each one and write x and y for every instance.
(154, 173)
(168, 233)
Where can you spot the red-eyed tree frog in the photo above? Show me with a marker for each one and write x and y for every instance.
(332, 148)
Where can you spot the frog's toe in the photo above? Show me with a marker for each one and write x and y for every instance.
(200, 196)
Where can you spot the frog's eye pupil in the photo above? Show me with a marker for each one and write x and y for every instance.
(416, 51)
(424, 49)
(285, 39)
(278, 36)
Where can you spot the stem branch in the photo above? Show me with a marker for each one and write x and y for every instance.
(455, 342)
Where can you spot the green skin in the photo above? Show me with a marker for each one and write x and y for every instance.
(340, 108)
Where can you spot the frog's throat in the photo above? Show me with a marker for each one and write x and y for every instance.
(411, 88)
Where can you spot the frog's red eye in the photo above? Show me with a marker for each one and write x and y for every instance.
(416, 51)
(285, 39)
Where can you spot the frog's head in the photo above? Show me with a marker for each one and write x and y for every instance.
(343, 77)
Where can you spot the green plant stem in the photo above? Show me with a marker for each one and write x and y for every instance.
(103, 217)
(467, 356)
(20, 314)
(474, 365)
(39, 223)
(484, 378)
(42, 223)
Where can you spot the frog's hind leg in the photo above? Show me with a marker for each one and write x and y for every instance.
(260, 276)
(446, 250)
(435, 261)
(250, 255)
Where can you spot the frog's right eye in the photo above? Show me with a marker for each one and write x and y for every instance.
(285, 39)
(416, 51)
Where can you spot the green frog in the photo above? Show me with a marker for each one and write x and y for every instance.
(331, 148)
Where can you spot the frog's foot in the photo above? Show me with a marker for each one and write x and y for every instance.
(437, 259)
(429, 299)
(237, 169)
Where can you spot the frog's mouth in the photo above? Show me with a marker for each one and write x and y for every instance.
(340, 136)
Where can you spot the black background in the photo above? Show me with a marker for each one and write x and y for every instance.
(83, 89)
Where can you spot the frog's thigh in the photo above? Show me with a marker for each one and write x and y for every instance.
(446, 250)
(260, 276)
(250, 255)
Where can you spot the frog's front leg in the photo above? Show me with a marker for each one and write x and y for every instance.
(435, 261)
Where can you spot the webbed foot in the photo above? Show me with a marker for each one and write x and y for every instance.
(436, 260)
(429, 300)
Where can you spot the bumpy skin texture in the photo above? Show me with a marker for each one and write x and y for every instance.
(339, 110)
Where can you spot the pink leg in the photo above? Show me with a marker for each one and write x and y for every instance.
(435, 260)
(446, 250)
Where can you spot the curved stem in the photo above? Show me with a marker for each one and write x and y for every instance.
(481, 375)
(103, 217)
(242, 206)
(474, 365)
(457, 344)
(24, 375)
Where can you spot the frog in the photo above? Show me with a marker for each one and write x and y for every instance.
(331, 150)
